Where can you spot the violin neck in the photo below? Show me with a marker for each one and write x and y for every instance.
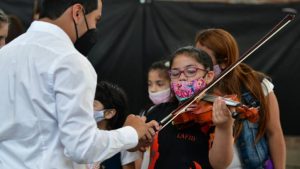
(228, 102)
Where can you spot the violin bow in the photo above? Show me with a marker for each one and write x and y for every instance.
(182, 108)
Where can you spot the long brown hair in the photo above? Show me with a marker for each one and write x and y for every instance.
(226, 51)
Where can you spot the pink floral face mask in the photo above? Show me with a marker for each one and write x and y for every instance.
(184, 89)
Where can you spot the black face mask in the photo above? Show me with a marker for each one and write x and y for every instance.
(86, 42)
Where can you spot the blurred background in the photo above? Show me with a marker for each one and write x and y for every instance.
(135, 33)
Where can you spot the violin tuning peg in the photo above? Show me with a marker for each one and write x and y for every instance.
(234, 115)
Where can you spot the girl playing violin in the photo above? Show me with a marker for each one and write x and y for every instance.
(256, 144)
(184, 148)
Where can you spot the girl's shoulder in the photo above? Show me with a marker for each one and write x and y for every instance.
(267, 86)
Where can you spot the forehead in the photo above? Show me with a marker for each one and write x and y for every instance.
(157, 74)
(98, 104)
(183, 60)
(205, 49)
(99, 9)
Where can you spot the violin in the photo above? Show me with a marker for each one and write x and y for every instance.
(181, 116)
(202, 114)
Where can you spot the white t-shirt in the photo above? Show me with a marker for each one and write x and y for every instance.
(146, 159)
(267, 87)
(126, 158)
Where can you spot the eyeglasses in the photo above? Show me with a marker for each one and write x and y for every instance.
(188, 72)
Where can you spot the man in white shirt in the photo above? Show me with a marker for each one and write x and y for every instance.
(46, 95)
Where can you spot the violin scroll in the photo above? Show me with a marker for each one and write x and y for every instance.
(202, 113)
(244, 112)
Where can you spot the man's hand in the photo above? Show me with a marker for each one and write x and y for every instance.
(146, 131)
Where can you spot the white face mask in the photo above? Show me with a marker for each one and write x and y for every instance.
(160, 97)
(217, 70)
(99, 115)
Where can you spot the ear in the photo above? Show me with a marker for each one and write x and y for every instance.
(110, 113)
(209, 76)
(77, 11)
(223, 66)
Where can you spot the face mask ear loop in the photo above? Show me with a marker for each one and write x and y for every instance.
(204, 76)
(85, 20)
(76, 30)
(206, 72)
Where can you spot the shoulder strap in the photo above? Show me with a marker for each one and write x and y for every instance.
(248, 98)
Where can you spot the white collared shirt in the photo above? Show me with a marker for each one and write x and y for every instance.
(46, 105)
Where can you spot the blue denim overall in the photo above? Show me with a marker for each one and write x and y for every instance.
(253, 156)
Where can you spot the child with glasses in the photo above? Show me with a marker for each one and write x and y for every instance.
(110, 111)
(183, 148)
